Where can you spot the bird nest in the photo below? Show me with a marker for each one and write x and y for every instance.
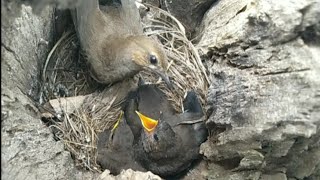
(66, 75)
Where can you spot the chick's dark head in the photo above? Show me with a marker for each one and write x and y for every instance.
(157, 136)
(121, 136)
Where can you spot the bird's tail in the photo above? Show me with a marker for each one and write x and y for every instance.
(80, 15)
(131, 11)
(85, 7)
(128, 4)
(82, 11)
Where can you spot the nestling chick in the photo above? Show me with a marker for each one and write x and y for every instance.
(167, 142)
(113, 41)
(115, 148)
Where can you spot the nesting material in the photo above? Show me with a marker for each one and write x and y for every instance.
(185, 66)
(65, 74)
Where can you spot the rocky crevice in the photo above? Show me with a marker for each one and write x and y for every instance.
(263, 104)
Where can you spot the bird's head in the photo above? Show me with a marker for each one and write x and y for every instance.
(149, 55)
(157, 136)
(120, 134)
(148, 123)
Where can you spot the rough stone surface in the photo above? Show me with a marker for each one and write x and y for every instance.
(277, 176)
(39, 6)
(28, 148)
(264, 102)
(189, 12)
(128, 174)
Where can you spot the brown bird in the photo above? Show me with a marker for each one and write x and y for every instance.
(112, 38)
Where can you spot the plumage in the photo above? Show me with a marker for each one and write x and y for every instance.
(174, 143)
(112, 39)
(115, 149)
(156, 103)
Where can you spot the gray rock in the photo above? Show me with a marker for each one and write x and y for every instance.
(278, 176)
(128, 174)
(189, 12)
(264, 102)
(28, 148)
(39, 6)
(221, 171)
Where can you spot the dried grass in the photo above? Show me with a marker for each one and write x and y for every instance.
(79, 130)
(185, 66)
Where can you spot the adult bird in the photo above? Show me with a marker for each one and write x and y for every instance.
(112, 39)
(166, 143)
(115, 149)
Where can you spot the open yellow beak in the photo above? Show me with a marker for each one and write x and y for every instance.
(148, 123)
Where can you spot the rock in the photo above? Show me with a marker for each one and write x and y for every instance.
(263, 104)
(311, 26)
(28, 148)
(128, 174)
(197, 172)
(38, 6)
(278, 176)
(189, 12)
(251, 160)
(220, 172)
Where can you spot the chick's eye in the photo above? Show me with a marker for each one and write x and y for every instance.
(153, 59)
(155, 136)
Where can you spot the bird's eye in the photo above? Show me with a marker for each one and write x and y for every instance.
(153, 59)
(155, 136)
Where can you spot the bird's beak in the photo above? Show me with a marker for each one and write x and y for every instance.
(164, 76)
(148, 123)
(159, 71)
(118, 121)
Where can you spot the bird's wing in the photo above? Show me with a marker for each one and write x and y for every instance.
(191, 103)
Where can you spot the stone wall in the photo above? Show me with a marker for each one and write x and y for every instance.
(263, 104)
